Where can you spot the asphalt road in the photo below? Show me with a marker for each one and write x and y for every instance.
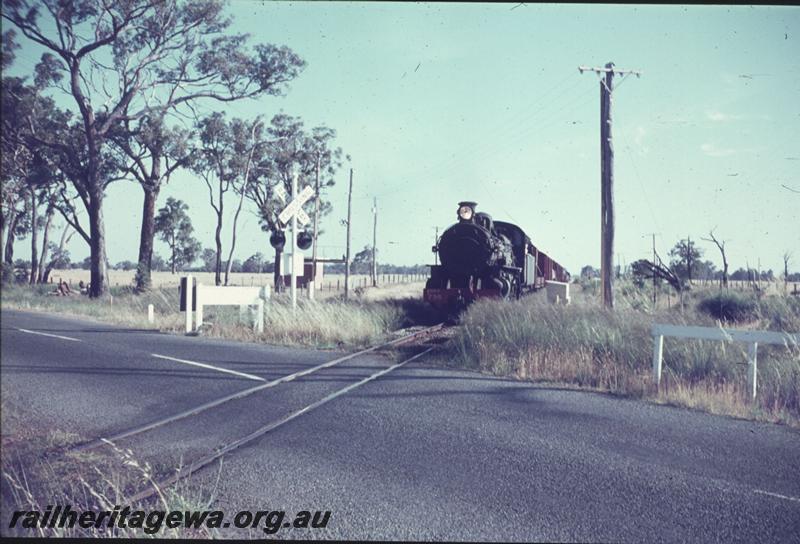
(421, 453)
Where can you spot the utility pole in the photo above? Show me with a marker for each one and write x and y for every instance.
(435, 243)
(607, 176)
(374, 241)
(316, 228)
(689, 259)
(293, 288)
(347, 256)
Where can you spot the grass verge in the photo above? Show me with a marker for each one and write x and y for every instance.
(590, 347)
(39, 472)
(328, 323)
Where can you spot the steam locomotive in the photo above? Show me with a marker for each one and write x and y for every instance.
(485, 258)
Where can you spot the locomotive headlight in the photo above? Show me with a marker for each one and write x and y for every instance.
(465, 213)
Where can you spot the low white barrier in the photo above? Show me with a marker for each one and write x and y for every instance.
(231, 295)
(753, 338)
(557, 292)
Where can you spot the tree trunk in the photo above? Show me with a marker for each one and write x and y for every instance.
(146, 238)
(8, 255)
(45, 241)
(233, 235)
(218, 240)
(3, 226)
(173, 252)
(97, 246)
(278, 276)
(34, 241)
(61, 245)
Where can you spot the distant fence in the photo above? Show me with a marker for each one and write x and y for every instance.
(330, 282)
(753, 338)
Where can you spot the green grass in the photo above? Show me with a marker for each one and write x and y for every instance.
(332, 322)
(587, 346)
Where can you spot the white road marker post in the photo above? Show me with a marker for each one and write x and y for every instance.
(150, 314)
(259, 324)
(752, 368)
(658, 351)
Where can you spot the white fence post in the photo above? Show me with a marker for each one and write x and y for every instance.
(189, 304)
(311, 289)
(658, 352)
(752, 368)
(150, 314)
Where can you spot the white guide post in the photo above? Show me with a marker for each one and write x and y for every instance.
(311, 287)
(150, 314)
(658, 352)
(752, 368)
(189, 303)
(294, 245)
(259, 324)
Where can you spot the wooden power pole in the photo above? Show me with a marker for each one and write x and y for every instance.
(316, 227)
(374, 242)
(347, 255)
(607, 177)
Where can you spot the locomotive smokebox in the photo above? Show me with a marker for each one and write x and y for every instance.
(466, 249)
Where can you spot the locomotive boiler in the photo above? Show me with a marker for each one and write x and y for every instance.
(481, 257)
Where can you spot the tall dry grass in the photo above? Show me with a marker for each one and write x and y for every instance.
(330, 322)
(39, 471)
(588, 346)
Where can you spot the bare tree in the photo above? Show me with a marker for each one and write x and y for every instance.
(721, 246)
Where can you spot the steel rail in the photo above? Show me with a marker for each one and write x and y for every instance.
(157, 487)
(246, 392)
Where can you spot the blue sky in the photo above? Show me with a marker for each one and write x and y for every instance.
(438, 103)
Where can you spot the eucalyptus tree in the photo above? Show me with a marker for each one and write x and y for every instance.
(174, 227)
(228, 156)
(120, 61)
(293, 149)
(155, 151)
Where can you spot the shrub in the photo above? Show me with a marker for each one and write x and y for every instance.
(731, 307)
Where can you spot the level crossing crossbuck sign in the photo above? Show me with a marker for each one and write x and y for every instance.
(295, 207)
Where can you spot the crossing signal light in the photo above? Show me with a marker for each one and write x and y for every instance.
(304, 240)
(277, 239)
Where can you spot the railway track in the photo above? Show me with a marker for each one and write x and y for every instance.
(409, 340)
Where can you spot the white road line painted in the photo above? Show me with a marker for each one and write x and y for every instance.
(210, 367)
(50, 335)
(197, 465)
(776, 495)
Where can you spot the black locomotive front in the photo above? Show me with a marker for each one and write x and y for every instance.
(475, 261)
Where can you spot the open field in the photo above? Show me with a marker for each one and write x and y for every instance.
(122, 278)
